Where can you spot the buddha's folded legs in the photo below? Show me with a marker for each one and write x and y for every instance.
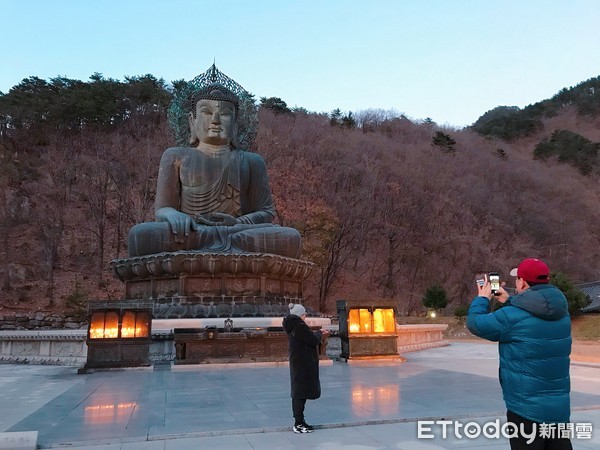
(274, 239)
(156, 237)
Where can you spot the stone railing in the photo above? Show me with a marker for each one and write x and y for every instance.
(69, 347)
(60, 347)
(420, 337)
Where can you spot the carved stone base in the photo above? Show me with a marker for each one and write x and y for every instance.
(198, 274)
(215, 307)
(192, 284)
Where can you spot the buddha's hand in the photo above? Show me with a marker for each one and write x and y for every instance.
(215, 219)
(181, 224)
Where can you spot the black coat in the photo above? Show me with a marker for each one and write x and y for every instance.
(303, 347)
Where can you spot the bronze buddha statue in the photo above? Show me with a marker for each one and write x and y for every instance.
(212, 196)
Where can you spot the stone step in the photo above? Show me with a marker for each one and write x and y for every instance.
(19, 440)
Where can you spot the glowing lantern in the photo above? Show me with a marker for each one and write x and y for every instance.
(119, 335)
(384, 320)
(106, 325)
(367, 328)
(135, 324)
(361, 320)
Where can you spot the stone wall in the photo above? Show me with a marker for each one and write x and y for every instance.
(40, 321)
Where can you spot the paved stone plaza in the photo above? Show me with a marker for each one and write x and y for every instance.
(372, 405)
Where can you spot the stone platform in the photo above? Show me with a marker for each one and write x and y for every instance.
(246, 407)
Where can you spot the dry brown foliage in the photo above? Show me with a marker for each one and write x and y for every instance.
(382, 211)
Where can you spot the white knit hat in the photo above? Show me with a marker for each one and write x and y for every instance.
(297, 309)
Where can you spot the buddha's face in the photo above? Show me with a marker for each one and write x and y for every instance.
(214, 123)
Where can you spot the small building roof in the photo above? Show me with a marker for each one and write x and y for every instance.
(592, 290)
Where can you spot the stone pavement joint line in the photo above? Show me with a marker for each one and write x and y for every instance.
(204, 434)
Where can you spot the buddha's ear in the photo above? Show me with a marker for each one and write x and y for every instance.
(192, 122)
(234, 143)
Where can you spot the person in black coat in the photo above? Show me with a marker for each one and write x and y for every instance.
(303, 348)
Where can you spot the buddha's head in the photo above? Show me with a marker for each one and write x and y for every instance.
(213, 117)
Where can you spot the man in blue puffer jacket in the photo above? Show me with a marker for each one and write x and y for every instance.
(534, 334)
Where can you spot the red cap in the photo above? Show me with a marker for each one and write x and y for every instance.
(532, 270)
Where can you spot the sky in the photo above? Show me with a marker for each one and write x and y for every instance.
(449, 60)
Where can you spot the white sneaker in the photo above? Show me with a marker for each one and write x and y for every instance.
(303, 428)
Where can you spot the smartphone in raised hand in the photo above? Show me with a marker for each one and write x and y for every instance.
(495, 282)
